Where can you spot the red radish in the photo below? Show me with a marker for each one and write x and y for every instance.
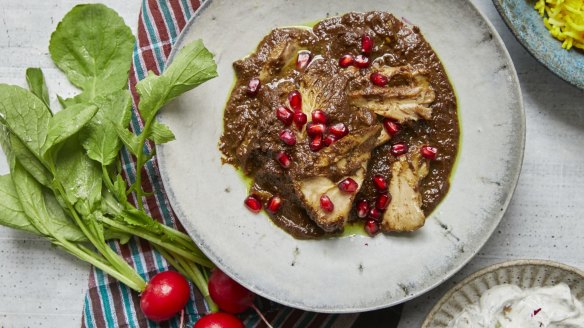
(318, 116)
(283, 159)
(299, 119)
(382, 201)
(329, 140)
(288, 137)
(295, 100)
(219, 320)
(284, 115)
(166, 294)
(315, 129)
(398, 149)
(380, 183)
(316, 143)
(391, 127)
(253, 87)
(339, 130)
(366, 44)
(371, 227)
(378, 79)
(252, 202)
(362, 209)
(361, 61)
(429, 152)
(274, 204)
(374, 214)
(228, 294)
(302, 60)
(346, 61)
(348, 185)
(326, 204)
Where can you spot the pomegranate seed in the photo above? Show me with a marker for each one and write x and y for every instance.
(274, 204)
(284, 115)
(378, 79)
(326, 204)
(382, 201)
(346, 61)
(374, 214)
(303, 60)
(252, 202)
(361, 61)
(371, 227)
(288, 137)
(253, 86)
(283, 159)
(299, 119)
(313, 130)
(380, 183)
(316, 143)
(398, 149)
(362, 209)
(339, 130)
(295, 99)
(329, 140)
(348, 185)
(318, 116)
(391, 127)
(429, 152)
(366, 44)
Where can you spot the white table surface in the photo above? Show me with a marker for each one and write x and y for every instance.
(44, 287)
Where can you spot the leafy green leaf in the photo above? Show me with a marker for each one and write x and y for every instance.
(15, 149)
(25, 115)
(36, 84)
(161, 133)
(93, 46)
(100, 137)
(67, 122)
(130, 140)
(11, 213)
(192, 66)
(79, 175)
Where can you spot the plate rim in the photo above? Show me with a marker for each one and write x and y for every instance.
(496, 218)
(527, 46)
(491, 268)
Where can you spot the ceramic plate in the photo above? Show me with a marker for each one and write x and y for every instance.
(527, 26)
(354, 273)
(523, 273)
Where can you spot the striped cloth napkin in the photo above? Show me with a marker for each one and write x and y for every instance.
(110, 304)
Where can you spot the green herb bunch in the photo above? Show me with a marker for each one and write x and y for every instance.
(65, 182)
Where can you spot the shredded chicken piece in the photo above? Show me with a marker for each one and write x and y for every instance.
(406, 98)
(310, 191)
(348, 157)
(405, 210)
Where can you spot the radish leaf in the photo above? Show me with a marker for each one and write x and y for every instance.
(66, 123)
(99, 137)
(93, 46)
(36, 84)
(25, 115)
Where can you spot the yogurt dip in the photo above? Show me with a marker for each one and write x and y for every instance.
(508, 306)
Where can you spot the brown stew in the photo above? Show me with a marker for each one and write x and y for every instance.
(353, 119)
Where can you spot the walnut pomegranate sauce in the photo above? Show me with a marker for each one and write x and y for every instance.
(353, 120)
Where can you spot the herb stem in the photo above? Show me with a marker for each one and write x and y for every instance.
(120, 264)
(86, 255)
(144, 234)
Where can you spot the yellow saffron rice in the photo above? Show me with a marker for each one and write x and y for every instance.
(565, 20)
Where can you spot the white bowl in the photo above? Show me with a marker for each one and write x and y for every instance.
(522, 273)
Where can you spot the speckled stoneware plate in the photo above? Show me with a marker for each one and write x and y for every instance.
(354, 273)
(523, 273)
(527, 26)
